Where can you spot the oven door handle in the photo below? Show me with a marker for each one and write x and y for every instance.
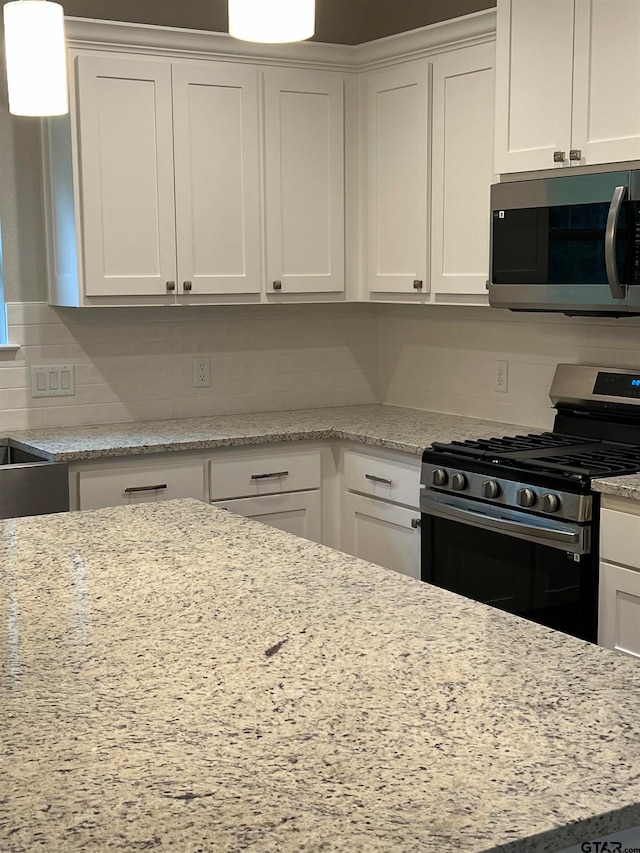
(610, 234)
(571, 539)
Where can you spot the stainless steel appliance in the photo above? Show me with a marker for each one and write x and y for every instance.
(513, 521)
(30, 484)
(567, 244)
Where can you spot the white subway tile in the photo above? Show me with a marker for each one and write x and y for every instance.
(76, 415)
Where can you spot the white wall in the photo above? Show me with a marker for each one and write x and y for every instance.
(443, 358)
(137, 364)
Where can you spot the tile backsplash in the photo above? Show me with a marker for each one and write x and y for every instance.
(443, 358)
(137, 364)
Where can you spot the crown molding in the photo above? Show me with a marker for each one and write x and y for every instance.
(465, 31)
(199, 44)
(83, 33)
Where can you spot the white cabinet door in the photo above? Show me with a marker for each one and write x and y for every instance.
(397, 186)
(126, 173)
(534, 71)
(216, 138)
(304, 161)
(619, 609)
(382, 533)
(299, 512)
(462, 169)
(606, 121)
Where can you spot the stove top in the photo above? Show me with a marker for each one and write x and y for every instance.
(550, 453)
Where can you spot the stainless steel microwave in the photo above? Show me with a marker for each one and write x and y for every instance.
(569, 244)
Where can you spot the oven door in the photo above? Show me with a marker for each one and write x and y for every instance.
(538, 568)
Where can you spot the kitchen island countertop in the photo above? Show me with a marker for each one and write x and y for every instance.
(178, 677)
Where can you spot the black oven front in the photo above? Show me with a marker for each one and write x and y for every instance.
(538, 568)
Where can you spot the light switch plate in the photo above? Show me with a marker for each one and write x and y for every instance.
(53, 380)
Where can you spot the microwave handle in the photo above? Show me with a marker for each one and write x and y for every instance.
(617, 289)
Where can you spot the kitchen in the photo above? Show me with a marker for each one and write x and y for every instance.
(136, 364)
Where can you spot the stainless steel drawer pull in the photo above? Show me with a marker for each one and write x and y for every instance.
(187, 286)
(575, 154)
(270, 476)
(415, 523)
(559, 156)
(385, 480)
(130, 489)
(417, 284)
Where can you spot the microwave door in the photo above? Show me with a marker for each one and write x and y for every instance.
(561, 254)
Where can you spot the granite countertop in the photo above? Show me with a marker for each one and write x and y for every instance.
(178, 677)
(624, 487)
(409, 430)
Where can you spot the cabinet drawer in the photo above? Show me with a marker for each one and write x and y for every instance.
(620, 537)
(140, 484)
(390, 480)
(264, 474)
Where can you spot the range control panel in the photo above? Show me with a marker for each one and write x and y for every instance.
(508, 493)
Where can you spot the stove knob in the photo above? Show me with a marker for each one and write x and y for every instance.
(550, 503)
(458, 482)
(526, 497)
(439, 477)
(490, 489)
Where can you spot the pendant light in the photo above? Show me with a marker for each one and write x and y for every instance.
(272, 21)
(36, 58)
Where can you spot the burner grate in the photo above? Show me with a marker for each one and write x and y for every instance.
(564, 455)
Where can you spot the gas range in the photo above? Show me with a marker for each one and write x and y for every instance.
(522, 506)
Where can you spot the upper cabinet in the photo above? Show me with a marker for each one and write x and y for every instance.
(462, 171)
(168, 168)
(304, 160)
(562, 69)
(155, 183)
(397, 149)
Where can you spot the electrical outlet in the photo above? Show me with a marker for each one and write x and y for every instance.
(201, 372)
(501, 376)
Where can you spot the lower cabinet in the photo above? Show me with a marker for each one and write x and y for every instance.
(619, 588)
(133, 484)
(296, 512)
(619, 610)
(360, 499)
(382, 533)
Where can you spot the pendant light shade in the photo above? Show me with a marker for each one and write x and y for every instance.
(272, 21)
(36, 58)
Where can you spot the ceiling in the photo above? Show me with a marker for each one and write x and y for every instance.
(337, 21)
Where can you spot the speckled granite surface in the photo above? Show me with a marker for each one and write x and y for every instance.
(410, 430)
(176, 677)
(624, 487)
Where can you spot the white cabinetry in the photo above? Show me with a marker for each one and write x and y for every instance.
(280, 488)
(397, 138)
(619, 594)
(462, 170)
(380, 510)
(562, 71)
(295, 512)
(304, 145)
(166, 168)
(159, 168)
(120, 484)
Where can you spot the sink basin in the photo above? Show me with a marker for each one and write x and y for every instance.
(12, 455)
(30, 484)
